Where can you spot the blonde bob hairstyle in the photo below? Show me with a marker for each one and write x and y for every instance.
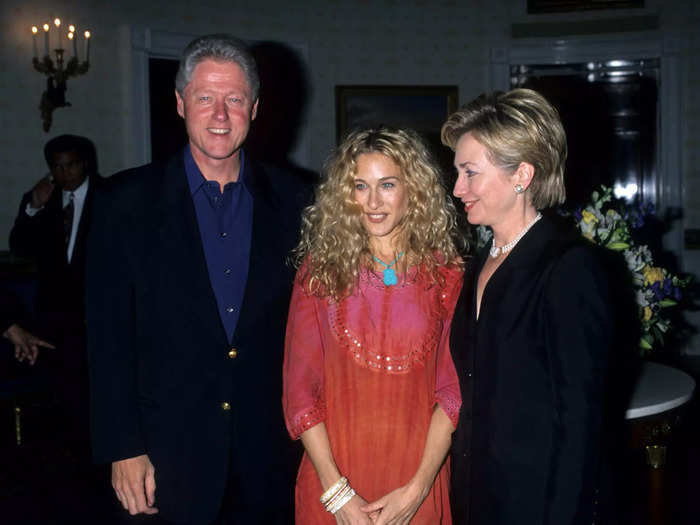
(334, 244)
(514, 127)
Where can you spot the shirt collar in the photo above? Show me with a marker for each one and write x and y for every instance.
(79, 192)
(195, 179)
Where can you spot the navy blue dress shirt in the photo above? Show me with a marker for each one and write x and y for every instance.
(225, 225)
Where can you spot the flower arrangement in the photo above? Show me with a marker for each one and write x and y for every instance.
(609, 222)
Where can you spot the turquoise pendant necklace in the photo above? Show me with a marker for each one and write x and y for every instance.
(389, 274)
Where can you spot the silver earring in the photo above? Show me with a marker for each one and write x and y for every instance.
(518, 188)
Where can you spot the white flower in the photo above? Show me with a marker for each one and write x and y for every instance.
(642, 299)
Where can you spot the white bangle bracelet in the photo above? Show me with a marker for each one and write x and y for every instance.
(333, 490)
(346, 497)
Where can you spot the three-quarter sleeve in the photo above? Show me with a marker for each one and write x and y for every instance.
(447, 393)
(303, 379)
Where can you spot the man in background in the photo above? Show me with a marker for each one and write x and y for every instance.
(51, 229)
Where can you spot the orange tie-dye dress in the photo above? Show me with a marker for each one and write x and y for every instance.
(372, 368)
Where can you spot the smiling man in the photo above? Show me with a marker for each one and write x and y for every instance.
(187, 293)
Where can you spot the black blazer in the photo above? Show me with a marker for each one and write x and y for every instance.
(159, 359)
(532, 372)
(60, 291)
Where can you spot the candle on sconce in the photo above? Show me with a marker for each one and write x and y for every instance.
(35, 30)
(57, 23)
(46, 28)
(72, 38)
(87, 46)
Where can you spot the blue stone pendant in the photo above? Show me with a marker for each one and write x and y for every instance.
(390, 277)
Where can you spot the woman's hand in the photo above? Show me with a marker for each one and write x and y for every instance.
(399, 506)
(352, 514)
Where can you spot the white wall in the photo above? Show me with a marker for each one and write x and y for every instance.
(348, 42)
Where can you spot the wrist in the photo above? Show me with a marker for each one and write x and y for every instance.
(419, 486)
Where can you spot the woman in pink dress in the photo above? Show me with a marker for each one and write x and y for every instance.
(369, 384)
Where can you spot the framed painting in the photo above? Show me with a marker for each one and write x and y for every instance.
(421, 108)
(560, 6)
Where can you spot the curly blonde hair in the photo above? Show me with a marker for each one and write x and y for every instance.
(334, 244)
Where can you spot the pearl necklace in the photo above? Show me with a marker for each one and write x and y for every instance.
(495, 251)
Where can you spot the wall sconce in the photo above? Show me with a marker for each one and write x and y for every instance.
(58, 71)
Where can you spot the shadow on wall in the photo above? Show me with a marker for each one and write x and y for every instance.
(284, 96)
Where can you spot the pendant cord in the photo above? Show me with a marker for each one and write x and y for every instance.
(388, 275)
(392, 263)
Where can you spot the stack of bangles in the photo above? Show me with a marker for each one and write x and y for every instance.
(337, 495)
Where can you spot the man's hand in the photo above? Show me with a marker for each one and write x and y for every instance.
(26, 344)
(134, 482)
(42, 191)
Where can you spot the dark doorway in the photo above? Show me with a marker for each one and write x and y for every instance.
(609, 113)
(168, 134)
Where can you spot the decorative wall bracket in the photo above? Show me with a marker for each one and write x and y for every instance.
(58, 71)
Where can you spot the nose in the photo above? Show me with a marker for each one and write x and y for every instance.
(375, 199)
(460, 188)
(220, 112)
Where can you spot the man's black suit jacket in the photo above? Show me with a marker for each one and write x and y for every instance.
(160, 364)
(60, 291)
(534, 371)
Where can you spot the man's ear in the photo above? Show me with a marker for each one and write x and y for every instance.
(254, 111)
(523, 174)
(180, 104)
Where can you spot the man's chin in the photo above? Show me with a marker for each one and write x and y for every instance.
(214, 155)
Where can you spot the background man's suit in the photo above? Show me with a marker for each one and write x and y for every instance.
(60, 289)
(59, 305)
(165, 381)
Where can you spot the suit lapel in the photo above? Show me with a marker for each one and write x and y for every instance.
(266, 230)
(182, 253)
(526, 253)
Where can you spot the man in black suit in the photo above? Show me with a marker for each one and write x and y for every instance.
(51, 228)
(187, 293)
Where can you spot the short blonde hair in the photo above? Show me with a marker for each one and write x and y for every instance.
(334, 243)
(514, 127)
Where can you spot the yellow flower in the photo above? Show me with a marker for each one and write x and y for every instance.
(647, 313)
(652, 274)
(588, 217)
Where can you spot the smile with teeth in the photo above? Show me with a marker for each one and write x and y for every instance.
(376, 217)
(468, 205)
(219, 131)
